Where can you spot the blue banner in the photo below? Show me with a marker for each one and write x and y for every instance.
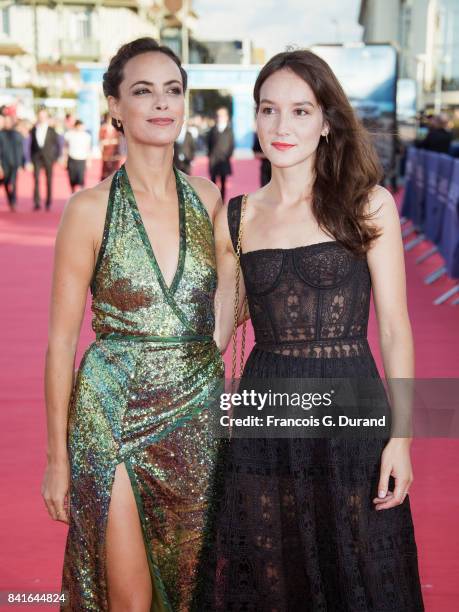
(408, 194)
(449, 242)
(417, 211)
(431, 161)
(445, 169)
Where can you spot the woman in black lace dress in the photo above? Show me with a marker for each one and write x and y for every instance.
(313, 524)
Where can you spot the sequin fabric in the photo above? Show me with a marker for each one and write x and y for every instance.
(142, 396)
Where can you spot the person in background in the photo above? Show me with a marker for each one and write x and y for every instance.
(198, 130)
(2, 146)
(24, 127)
(439, 137)
(220, 145)
(184, 149)
(78, 147)
(454, 149)
(265, 164)
(109, 140)
(193, 127)
(423, 125)
(2, 125)
(11, 158)
(455, 124)
(44, 152)
(69, 122)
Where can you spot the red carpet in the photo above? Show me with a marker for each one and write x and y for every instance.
(33, 545)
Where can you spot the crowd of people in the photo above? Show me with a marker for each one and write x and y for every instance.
(215, 138)
(38, 147)
(439, 133)
(67, 141)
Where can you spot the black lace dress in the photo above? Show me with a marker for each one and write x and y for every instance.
(293, 526)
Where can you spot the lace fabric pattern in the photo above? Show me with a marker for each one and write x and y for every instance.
(309, 301)
(292, 525)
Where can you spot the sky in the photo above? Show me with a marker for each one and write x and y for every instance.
(276, 24)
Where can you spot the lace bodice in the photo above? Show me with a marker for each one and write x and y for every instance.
(308, 301)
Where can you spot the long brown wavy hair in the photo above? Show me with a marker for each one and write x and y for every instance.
(347, 167)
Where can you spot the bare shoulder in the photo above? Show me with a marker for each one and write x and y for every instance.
(381, 203)
(208, 193)
(384, 217)
(85, 211)
(90, 199)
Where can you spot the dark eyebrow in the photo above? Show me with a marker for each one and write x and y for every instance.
(150, 84)
(173, 81)
(303, 103)
(140, 83)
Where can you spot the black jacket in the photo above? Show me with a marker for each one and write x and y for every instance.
(220, 146)
(184, 153)
(50, 151)
(11, 150)
(438, 140)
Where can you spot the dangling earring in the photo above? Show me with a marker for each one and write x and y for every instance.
(326, 137)
(118, 123)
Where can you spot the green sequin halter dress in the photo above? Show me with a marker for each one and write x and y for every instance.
(142, 396)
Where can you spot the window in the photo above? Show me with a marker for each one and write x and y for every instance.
(5, 20)
(449, 50)
(80, 25)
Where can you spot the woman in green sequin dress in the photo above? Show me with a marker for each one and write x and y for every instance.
(129, 445)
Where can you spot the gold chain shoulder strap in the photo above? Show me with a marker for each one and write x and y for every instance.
(236, 300)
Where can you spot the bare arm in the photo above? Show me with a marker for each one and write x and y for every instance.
(73, 267)
(387, 267)
(208, 193)
(226, 289)
(226, 262)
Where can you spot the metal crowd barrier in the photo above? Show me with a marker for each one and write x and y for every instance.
(430, 212)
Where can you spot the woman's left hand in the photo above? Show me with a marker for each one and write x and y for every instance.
(396, 462)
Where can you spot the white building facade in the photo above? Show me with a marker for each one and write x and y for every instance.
(37, 35)
(426, 33)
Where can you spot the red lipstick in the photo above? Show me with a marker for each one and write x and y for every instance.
(161, 121)
(282, 146)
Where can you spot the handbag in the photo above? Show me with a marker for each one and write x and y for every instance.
(236, 302)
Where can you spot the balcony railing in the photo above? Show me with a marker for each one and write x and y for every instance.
(83, 49)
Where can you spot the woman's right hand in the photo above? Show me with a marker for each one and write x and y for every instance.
(55, 489)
